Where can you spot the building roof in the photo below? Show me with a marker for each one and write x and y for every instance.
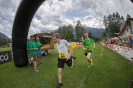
(41, 34)
(125, 25)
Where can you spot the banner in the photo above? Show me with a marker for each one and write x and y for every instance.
(5, 57)
(124, 51)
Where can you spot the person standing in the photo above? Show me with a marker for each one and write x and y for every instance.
(39, 53)
(120, 42)
(34, 53)
(64, 56)
(130, 41)
(87, 46)
(29, 51)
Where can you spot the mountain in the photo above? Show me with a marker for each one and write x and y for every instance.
(3, 36)
(95, 31)
(46, 31)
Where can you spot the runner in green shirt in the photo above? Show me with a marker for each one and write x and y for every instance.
(88, 46)
(33, 53)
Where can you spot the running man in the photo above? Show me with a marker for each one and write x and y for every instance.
(29, 51)
(33, 53)
(64, 56)
(39, 53)
(87, 46)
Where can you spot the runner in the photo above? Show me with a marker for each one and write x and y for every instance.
(33, 53)
(64, 56)
(87, 46)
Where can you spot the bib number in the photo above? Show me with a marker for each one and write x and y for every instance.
(62, 56)
(88, 47)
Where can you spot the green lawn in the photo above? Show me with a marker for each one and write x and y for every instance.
(109, 71)
(5, 49)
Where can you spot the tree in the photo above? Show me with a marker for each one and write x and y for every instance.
(113, 23)
(66, 32)
(70, 36)
(5, 41)
(128, 16)
(79, 29)
(8, 40)
(90, 35)
(103, 34)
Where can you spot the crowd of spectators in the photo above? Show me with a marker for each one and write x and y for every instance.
(125, 42)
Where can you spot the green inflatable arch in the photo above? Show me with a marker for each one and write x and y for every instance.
(22, 21)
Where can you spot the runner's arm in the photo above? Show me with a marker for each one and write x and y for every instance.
(71, 49)
(28, 49)
(70, 52)
(33, 48)
(83, 46)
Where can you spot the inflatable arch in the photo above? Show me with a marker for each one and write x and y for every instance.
(22, 21)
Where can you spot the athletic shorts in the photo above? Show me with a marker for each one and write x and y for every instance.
(61, 62)
(29, 56)
(39, 53)
(87, 53)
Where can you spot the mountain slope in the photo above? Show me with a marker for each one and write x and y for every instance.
(3, 36)
(95, 31)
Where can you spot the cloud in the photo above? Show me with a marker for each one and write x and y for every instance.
(54, 13)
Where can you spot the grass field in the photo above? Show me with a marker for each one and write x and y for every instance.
(5, 49)
(109, 71)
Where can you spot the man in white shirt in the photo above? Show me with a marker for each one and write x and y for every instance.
(64, 56)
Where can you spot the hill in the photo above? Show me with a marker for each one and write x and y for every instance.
(3, 36)
(95, 31)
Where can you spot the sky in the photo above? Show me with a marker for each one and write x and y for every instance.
(55, 13)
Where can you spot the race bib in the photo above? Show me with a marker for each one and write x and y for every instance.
(62, 56)
(88, 47)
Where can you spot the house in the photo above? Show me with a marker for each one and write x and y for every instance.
(46, 40)
(127, 29)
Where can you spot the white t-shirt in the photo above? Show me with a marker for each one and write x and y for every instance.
(62, 47)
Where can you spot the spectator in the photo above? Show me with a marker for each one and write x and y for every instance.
(124, 43)
(130, 41)
(39, 53)
(29, 51)
(33, 53)
(120, 42)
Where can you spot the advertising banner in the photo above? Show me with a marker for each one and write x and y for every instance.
(5, 56)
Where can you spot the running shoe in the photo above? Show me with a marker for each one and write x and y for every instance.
(37, 70)
(59, 85)
(90, 64)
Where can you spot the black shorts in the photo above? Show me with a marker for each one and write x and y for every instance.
(61, 62)
(87, 53)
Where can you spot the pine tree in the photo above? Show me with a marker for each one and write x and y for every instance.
(113, 23)
(79, 29)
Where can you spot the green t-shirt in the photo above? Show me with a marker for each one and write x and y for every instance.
(33, 45)
(38, 44)
(120, 42)
(87, 43)
(28, 46)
